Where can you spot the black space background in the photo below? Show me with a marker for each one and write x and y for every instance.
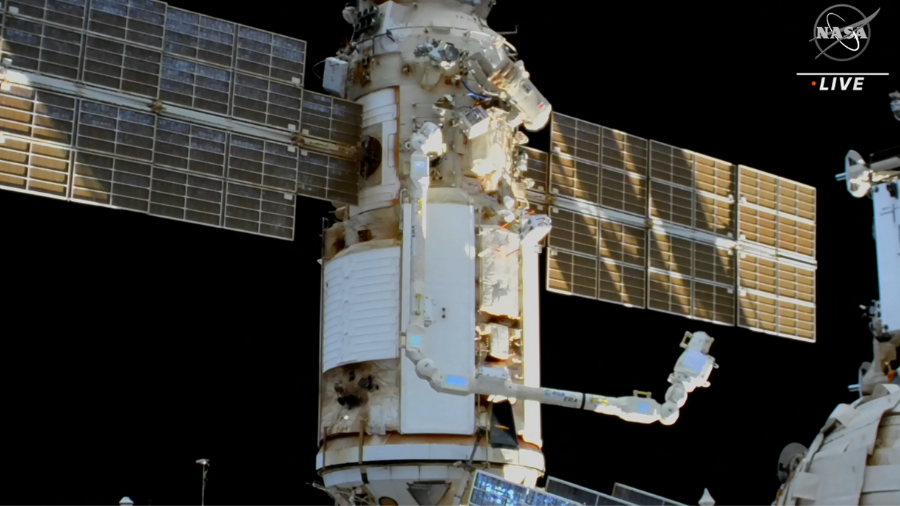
(132, 346)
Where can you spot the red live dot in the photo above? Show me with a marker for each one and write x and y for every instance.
(814, 83)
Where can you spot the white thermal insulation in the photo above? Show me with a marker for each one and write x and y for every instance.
(362, 307)
(500, 273)
(450, 342)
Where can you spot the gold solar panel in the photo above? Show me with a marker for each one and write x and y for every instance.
(671, 164)
(691, 190)
(37, 129)
(670, 274)
(35, 168)
(571, 274)
(714, 294)
(701, 212)
(574, 179)
(576, 139)
(777, 297)
(622, 284)
(777, 213)
(573, 232)
(672, 204)
(574, 267)
(598, 165)
(625, 152)
(691, 278)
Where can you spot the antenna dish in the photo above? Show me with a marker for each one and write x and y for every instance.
(857, 175)
(789, 459)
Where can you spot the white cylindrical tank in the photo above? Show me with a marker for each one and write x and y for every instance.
(433, 246)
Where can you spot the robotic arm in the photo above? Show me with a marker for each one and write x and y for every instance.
(692, 370)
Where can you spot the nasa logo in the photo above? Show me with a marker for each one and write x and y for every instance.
(842, 32)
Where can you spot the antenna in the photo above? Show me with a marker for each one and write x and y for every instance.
(789, 459)
(205, 464)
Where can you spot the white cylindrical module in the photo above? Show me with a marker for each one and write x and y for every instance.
(430, 258)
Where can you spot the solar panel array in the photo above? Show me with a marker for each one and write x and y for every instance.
(115, 147)
(639, 497)
(488, 489)
(649, 225)
(582, 495)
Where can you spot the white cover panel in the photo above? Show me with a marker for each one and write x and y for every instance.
(362, 307)
(450, 341)
(887, 233)
(500, 274)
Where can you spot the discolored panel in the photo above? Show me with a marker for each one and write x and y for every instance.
(42, 169)
(669, 293)
(624, 152)
(714, 215)
(573, 232)
(777, 297)
(112, 181)
(623, 494)
(275, 104)
(42, 48)
(714, 303)
(672, 204)
(331, 119)
(37, 115)
(622, 284)
(328, 178)
(68, 13)
(116, 131)
(488, 489)
(127, 184)
(623, 191)
(269, 55)
(186, 197)
(574, 179)
(138, 21)
(259, 211)
(691, 278)
(571, 274)
(262, 163)
(122, 66)
(598, 165)
(622, 243)
(195, 85)
(671, 164)
(198, 37)
(713, 264)
(714, 283)
(714, 203)
(575, 139)
(537, 165)
(190, 148)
